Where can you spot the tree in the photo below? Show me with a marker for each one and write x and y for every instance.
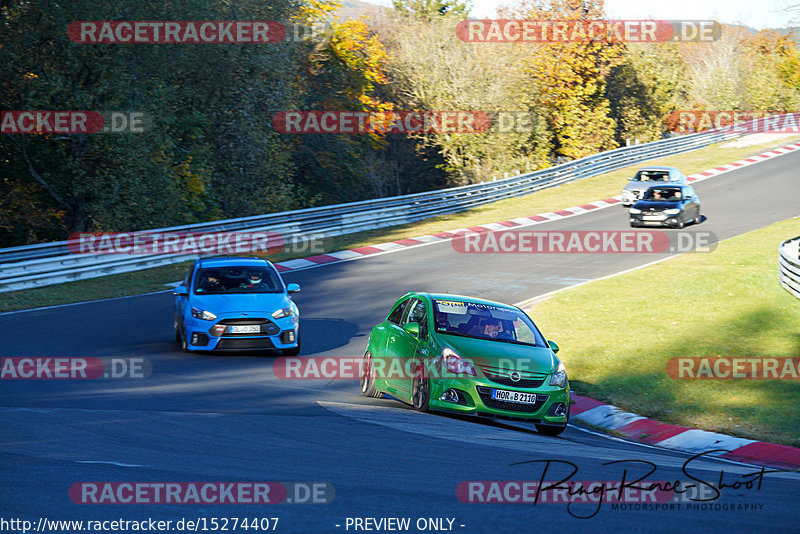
(429, 9)
(209, 151)
(570, 78)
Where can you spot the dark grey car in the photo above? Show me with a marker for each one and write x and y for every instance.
(667, 205)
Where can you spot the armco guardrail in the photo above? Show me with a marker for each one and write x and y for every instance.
(789, 266)
(51, 263)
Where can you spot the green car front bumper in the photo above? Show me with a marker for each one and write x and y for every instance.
(474, 397)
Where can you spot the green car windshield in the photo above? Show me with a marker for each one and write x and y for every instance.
(485, 321)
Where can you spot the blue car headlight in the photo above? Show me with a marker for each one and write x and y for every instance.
(559, 378)
(283, 312)
(673, 211)
(197, 313)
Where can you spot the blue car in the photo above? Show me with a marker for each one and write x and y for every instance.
(236, 304)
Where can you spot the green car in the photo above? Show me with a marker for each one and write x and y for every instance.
(469, 356)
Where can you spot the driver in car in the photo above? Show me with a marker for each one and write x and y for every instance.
(253, 281)
(211, 283)
(490, 328)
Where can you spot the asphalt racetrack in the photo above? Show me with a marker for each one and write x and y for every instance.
(208, 417)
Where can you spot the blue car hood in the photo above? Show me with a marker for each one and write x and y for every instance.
(265, 303)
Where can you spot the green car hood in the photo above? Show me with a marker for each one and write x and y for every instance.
(499, 354)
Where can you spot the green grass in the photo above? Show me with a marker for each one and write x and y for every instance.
(617, 334)
(564, 196)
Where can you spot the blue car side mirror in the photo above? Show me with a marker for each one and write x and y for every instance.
(293, 288)
(180, 290)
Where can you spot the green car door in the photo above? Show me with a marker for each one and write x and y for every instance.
(407, 345)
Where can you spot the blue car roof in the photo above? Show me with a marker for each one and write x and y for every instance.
(232, 260)
(657, 168)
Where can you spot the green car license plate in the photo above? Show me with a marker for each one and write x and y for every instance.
(513, 396)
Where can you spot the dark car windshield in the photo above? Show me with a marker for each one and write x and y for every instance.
(485, 321)
(237, 279)
(651, 176)
(671, 194)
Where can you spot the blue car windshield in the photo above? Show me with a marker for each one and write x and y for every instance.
(237, 279)
(486, 321)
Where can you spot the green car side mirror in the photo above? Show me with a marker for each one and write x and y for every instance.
(553, 345)
(412, 328)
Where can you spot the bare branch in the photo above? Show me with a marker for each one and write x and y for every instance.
(36, 176)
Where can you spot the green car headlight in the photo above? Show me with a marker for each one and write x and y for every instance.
(197, 313)
(636, 210)
(559, 378)
(456, 364)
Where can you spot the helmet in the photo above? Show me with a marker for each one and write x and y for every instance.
(254, 277)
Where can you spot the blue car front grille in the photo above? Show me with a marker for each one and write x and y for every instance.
(245, 344)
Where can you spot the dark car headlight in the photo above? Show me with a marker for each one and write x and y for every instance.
(635, 210)
(197, 313)
(673, 211)
(559, 378)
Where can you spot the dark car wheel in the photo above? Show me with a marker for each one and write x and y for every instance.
(367, 381)
(294, 351)
(421, 390)
(184, 345)
(697, 218)
(548, 430)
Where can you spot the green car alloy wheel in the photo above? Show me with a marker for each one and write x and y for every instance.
(469, 356)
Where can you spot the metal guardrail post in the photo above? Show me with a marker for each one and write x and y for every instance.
(789, 266)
